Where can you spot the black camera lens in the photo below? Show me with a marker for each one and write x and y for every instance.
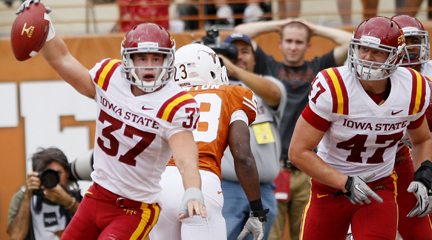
(49, 178)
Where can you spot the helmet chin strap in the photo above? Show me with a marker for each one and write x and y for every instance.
(369, 74)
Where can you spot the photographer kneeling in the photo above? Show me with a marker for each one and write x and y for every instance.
(45, 205)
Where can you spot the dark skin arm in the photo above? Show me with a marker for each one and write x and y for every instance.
(244, 162)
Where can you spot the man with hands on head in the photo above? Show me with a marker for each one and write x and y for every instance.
(357, 114)
(143, 118)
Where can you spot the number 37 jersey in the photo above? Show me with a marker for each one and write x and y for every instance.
(362, 136)
(217, 104)
(131, 140)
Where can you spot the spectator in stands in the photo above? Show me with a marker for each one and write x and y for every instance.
(264, 138)
(10, 2)
(293, 8)
(134, 12)
(344, 7)
(296, 74)
(409, 7)
(39, 212)
(252, 11)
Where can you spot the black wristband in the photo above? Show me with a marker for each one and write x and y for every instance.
(256, 205)
(348, 183)
(261, 215)
(348, 186)
(424, 174)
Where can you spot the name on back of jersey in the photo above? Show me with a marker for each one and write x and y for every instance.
(202, 87)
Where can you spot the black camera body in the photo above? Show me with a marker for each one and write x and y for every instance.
(212, 40)
(49, 178)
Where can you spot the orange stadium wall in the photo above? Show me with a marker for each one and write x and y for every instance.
(38, 109)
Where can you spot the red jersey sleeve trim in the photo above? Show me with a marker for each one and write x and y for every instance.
(103, 75)
(172, 105)
(315, 120)
(418, 92)
(338, 91)
(415, 124)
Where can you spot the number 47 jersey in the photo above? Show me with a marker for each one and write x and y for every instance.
(217, 104)
(361, 135)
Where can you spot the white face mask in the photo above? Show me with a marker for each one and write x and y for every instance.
(369, 73)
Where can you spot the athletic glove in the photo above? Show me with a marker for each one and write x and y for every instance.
(26, 4)
(190, 194)
(255, 225)
(421, 187)
(358, 190)
(424, 200)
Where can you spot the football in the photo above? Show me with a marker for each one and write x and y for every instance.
(29, 31)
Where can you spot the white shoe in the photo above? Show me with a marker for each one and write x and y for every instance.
(252, 13)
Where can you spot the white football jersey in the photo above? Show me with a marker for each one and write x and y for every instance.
(426, 69)
(363, 135)
(131, 147)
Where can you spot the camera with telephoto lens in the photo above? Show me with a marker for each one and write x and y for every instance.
(213, 41)
(49, 179)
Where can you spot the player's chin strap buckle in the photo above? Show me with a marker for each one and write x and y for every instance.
(119, 202)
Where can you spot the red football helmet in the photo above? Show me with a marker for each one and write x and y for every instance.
(148, 38)
(381, 33)
(412, 27)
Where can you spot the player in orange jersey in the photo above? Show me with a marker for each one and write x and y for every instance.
(225, 113)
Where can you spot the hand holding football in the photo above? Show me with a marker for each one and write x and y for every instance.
(29, 31)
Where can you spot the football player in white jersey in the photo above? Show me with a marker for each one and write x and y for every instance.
(226, 111)
(143, 118)
(356, 115)
(417, 57)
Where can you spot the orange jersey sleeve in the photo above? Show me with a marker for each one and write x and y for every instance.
(217, 104)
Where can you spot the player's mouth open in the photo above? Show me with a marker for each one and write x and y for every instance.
(148, 77)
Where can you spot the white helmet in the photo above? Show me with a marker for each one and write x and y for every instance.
(196, 65)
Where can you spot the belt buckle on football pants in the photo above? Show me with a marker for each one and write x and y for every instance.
(119, 202)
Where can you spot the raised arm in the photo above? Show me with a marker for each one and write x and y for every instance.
(59, 58)
(254, 29)
(340, 37)
(262, 87)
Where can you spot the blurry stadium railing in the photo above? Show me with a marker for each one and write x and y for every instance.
(91, 19)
